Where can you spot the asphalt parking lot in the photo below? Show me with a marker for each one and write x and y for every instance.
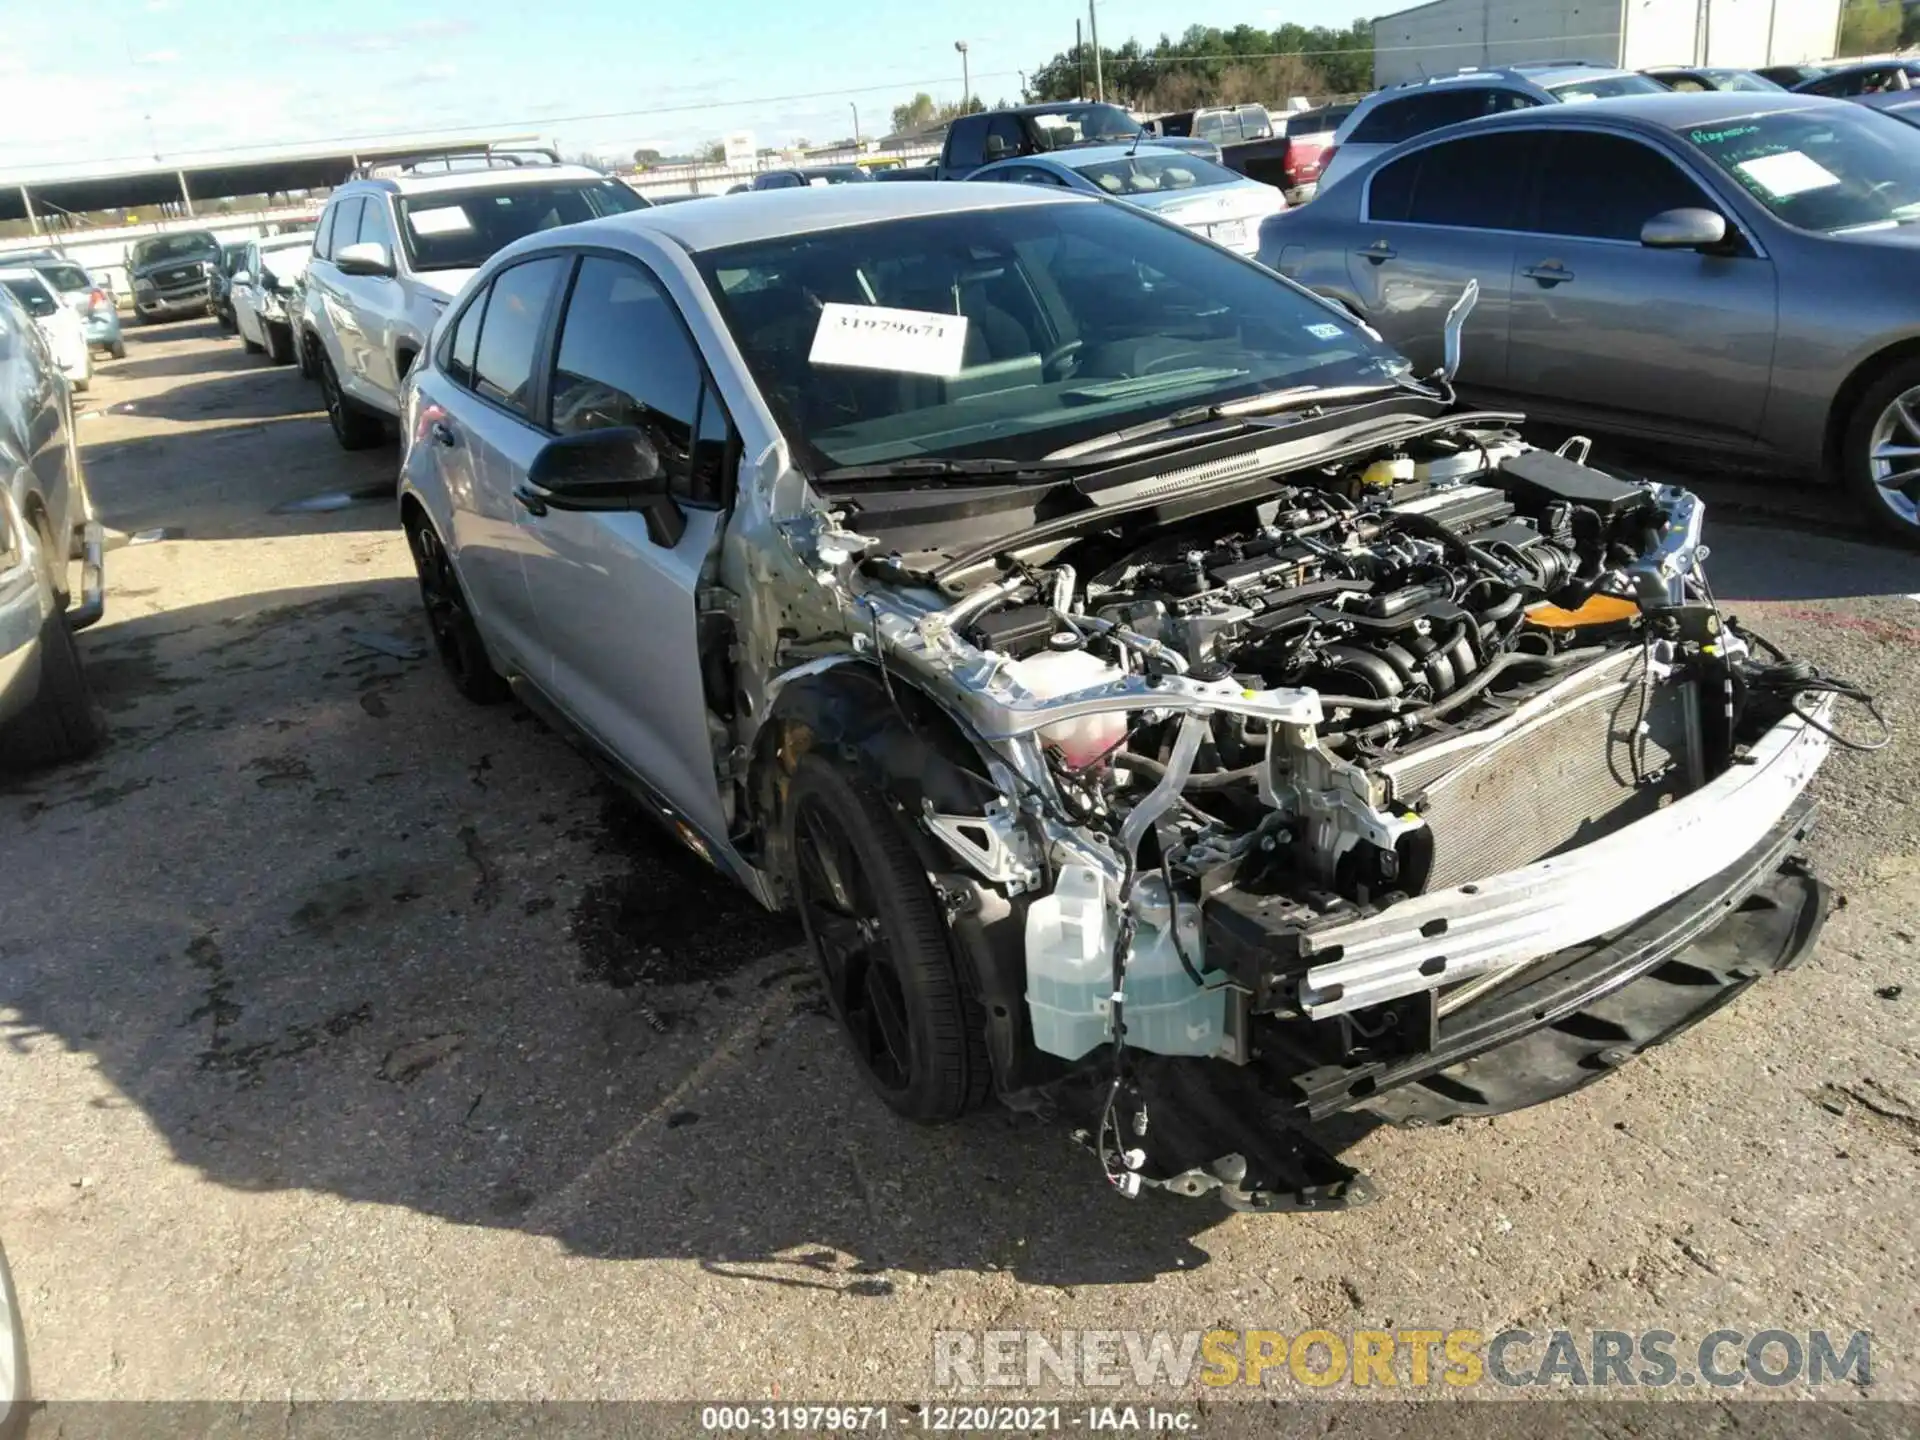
(357, 1042)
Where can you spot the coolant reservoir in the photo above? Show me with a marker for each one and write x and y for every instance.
(1070, 939)
(1061, 672)
(1165, 1011)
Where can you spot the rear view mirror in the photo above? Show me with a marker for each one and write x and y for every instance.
(614, 468)
(1685, 229)
(368, 257)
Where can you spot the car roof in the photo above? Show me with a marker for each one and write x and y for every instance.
(21, 272)
(477, 178)
(281, 242)
(766, 214)
(1669, 110)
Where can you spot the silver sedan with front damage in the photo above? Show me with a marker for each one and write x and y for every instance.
(1164, 709)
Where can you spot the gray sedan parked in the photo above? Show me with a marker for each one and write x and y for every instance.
(1725, 272)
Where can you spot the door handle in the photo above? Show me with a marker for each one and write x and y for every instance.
(534, 502)
(1551, 273)
(442, 434)
(1379, 251)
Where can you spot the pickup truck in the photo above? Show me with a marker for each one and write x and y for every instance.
(1286, 152)
(976, 140)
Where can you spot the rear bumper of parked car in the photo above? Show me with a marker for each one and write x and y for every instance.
(103, 328)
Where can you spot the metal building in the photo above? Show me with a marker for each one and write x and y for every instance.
(1449, 35)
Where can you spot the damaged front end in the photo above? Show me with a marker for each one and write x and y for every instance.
(1425, 782)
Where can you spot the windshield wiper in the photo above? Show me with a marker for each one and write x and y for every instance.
(1296, 397)
(936, 467)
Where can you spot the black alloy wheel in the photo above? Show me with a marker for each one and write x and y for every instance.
(352, 427)
(881, 941)
(455, 636)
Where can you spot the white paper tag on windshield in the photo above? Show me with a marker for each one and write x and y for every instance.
(444, 220)
(1788, 174)
(877, 337)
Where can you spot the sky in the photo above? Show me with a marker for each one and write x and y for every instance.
(110, 83)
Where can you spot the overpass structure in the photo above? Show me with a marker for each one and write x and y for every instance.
(47, 197)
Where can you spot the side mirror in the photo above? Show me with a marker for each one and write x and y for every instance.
(368, 257)
(1687, 229)
(614, 468)
(239, 278)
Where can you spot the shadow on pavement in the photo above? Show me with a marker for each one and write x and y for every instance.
(329, 927)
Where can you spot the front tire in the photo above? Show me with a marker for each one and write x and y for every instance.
(118, 349)
(455, 636)
(303, 353)
(353, 427)
(1880, 453)
(883, 947)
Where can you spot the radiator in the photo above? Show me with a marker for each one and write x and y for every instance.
(1566, 768)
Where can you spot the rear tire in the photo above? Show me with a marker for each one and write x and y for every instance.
(62, 722)
(118, 350)
(353, 427)
(303, 354)
(1884, 482)
(884, 950)
(279, 343)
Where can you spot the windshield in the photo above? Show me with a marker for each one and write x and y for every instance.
(197, 245)
(1838, 168)
(1150, 174)
(1025, 329)
(32, 296)
(460, 229)
(1604, 87)
(1072, 124)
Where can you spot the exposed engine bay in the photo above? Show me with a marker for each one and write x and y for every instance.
(1304, 787)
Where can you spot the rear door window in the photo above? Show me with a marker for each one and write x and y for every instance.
(1605, 187)
(1396, 120)
(506, 357)
(1470, 184)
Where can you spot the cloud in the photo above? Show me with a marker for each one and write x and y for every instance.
(158, 57)
(436, 74)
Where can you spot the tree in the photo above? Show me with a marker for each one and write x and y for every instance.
(644, 158)
(1869, 26)
(1208, 65)
(917, 114)
(714, 152)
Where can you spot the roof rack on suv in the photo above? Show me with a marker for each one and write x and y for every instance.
(447, 159)
(1525, 65)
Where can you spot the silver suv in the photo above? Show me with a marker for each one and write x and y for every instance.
(1154, 699)
(394, 245)
(1387, 117)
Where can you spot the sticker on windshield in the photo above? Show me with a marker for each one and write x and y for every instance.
(1785, 175)
(877, 337)
(1324, 331)
(445, 220)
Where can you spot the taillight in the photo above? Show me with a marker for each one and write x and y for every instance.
(98, 300)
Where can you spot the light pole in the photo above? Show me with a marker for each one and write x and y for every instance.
(856, 123)
(966, 80)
